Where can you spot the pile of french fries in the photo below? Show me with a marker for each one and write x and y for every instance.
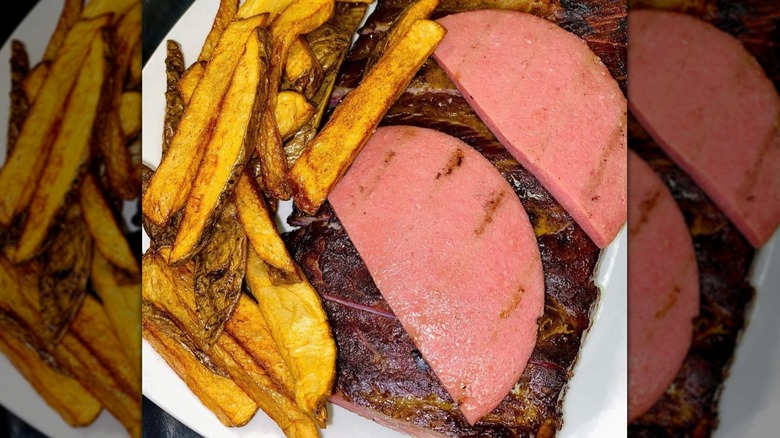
(69, 282)
(241, 132)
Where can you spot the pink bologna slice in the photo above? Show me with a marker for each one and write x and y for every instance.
(710, 106)
(451, 249)
(551, 102)
(663, 288)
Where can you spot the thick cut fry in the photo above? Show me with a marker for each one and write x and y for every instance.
(20, 68)
(65, 269)
(190, 79)
(171, 291)
(419, 10)
(331, 153)
(219, 273)
(227, 10)
(303, 70)
(121, 297)
(260, 227)
(271, 7)
(96, 8)
(62, 393)
(229, 147)
(104, 227)
(70, 151)
(70, 13)
(158, 235)
(130, 113)
(292, 112)
(89, 350)
(248, 328)
(122, 180)
(300, 17)
(330, 43)
(219, 393)
(21, 172)
(171, 183)
(300, 328)
(34, 80)
(174, 102)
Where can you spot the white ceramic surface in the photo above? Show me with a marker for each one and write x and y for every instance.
(595, 404)
(16, 394)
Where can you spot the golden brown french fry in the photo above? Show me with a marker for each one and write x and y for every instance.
(226, 153)
(300, 328)
(62, 393)
(121, 297)
(190, 79)
(172, 181)
(96, 8)
(248, 328)
(227, 10)
(90, 350)
(19, 175)
(168, 289)
(122, 180)
(70, 13)
(292, 111)
(34, 80)
(130, 113)
(70, 151)
(419, 10)
(104, 228)
(301, 17)
(320, 167)
(260, 227)
(219, 393)
(20, 68)
(303, 70)
(271, 7)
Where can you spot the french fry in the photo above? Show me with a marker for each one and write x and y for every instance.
(20, 68)
(174, 102)
(121, 297)
(95, 8)
(19, 176)
(159, 235)
(136, 65)
(122, 181)
(226, 153)
(168, 289)
(303, 70)
(227, 10)
(249, 330)
(130, 113)
(271, 7)
(62, 393)
(260, 227)
(70, 151)
(219, 393)
(299, 326)
(330, 44)
(292, 112)
(70, 13)
(322, 165)
(301, 17)
(34, 80)
(419, 10)
(190, 79)
(104, 228)
(171, 183)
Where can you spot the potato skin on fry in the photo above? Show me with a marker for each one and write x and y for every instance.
(20, 68)
(331, 153)
(171, 183)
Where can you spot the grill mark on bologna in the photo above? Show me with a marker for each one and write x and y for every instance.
(455, 161)
(645, 208)
(490, 208)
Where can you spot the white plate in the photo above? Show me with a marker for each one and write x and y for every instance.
(16, 394)
(595, 404)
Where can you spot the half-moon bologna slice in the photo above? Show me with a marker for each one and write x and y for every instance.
(451, 249)
(551, 102)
